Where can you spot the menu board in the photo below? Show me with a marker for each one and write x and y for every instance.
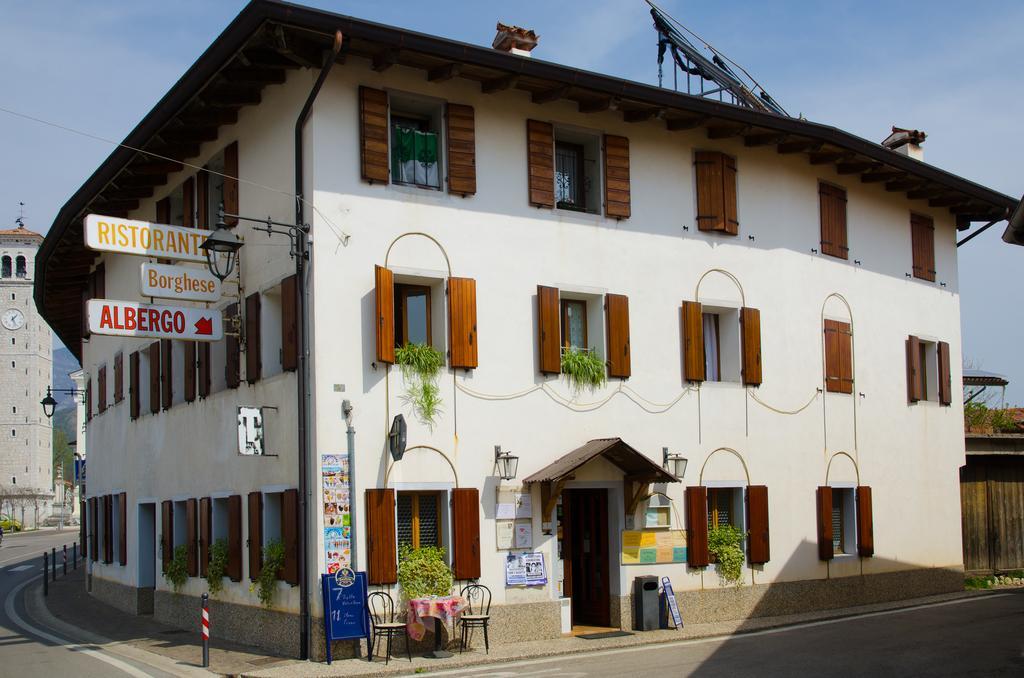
(644, 547)
(337, 512)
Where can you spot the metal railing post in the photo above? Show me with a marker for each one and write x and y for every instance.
(65, 563)
(53, 562)
(74, 555)
(46, 573)
(206, 629)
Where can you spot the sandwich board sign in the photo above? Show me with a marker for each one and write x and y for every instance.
(134, 319)
(186, 283)
(670, 599)
(345, 611)
(143, 238)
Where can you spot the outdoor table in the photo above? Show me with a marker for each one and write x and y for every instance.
(445, 609)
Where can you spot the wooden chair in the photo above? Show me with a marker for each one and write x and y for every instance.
(477, 613)
(382, 623)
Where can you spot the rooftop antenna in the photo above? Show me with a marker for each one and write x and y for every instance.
(716, 74)
(20, 221)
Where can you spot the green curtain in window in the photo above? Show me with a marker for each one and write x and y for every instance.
(414, 156)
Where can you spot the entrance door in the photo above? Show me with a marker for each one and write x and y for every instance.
(587, 540)
(147, 546)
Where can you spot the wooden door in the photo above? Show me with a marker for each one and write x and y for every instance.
(587, 551)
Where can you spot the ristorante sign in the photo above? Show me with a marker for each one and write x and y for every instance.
(143, 238)
(132, 319)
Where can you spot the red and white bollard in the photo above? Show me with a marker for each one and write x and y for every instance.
(206, 630)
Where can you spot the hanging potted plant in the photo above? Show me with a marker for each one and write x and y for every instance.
(725, 545)
(583, 369)
(421, 364)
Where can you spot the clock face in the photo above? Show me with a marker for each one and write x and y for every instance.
(13, 319)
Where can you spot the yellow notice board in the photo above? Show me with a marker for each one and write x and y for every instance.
(643, 547)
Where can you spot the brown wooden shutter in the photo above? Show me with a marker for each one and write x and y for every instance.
(188, 208)
(83, 531)
(122, 537)
(88, 399)
(135, 400)
(865, 527)
(540, 139)
(101, 390)
(922, 241)
(108, 528)
(462, 322)
(202, 200)
(154, 377)
(549, 331)
(289, 324)
(466, 533)
(255, 541)
(757, 524)
(381, 555)
(290, 536)
(373, 134)
(118, 377)
(205, 531)
(203, 368)
(461, 150)
(253, 343)
(234, 568)
(750, 320)
(826, 551)
(190, 371)
(190, 532)
(832, 203)
(915, 383)
(616, 177)
(838, 357)
(232, 349)
(230, 191)
(709, 170)
(167, 373)
(697, 526)
(693, 341)
(166, 533)
(617, 319)
(385, 294)
(945, 385)
(729, 209)
(163, 211)
(94, 524)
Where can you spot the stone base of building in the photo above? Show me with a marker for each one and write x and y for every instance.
(125, 598)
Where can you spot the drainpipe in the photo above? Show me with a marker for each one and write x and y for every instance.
(350, 435)
(302, 375)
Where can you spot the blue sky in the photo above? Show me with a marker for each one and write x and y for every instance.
(951, 69)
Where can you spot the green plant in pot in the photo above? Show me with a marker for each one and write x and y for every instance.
(217, 566)
(583, 369)
(266, 580)
(725, 545)
(421, 364)
(176, 572)
(423, 572)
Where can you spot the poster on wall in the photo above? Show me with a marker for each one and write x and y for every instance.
(648, 547)
(525, 569)
(337, 512)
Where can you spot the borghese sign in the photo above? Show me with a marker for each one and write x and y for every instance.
(127, 236)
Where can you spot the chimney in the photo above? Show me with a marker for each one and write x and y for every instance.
(515, 40)
(906, 141)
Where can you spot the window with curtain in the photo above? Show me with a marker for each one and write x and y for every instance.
(712, 348)
(720, 506)
(574, 323)
(569, 189)
(418, 519)
(412, 315)
(838, 522)
(414, 152)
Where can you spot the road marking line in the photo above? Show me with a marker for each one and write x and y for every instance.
(20, 568)
(711, 639)
(73, 647)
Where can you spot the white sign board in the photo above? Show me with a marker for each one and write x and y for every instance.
(127, 236)
(187, 283)
(250, 431)
(132, 319)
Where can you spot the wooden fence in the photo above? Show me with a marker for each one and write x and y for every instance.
(992, 510)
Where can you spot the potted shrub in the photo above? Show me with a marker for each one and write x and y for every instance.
(177, 569)
(423, 572)
(583, 369)
(217, 566)
(725, 545)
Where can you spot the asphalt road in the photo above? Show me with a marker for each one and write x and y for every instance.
(26, 647)
(972, 637)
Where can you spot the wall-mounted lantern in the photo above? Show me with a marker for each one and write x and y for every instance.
(221, 241)
(506, 462)
(673, 463)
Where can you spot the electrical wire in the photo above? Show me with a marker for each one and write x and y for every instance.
(760, 402)
(648, 406)
(341, 235)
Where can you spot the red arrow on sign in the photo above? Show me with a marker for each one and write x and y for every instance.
(204, 326)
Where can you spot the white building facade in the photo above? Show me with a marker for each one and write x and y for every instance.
(791, 328)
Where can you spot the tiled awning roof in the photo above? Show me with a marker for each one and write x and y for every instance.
(633, 463)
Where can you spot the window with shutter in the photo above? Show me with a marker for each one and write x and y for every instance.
(716, 192)
(255, 537)
(548, 331)
(189, 366)
(693, 341)
(826, 548)
(289, 324)
(832, 203)
(382, 557)
(188, 207)
(154, 377)
(101, 390)
(461, 150)
(166, 533)
(541, 163)
(616, 177)
(915, 377)
(203, 358)
(466, 533)
(163, 211)
(462, 322)
(373, 134)
(135, 397)
(191, 507)
(617, 320)
(205, 533)
(253, 347)
(108, 528)
(166, 373)
(418, 519)
(232, 348)
(290, 535)
(229, 190)
(838, 357)
(945, 383)
(865, 525)
(922, 240)
(413, 315)
(385, 298)
(234, 568)
(758, 551)
(88, 399)
(118, 377)
(94, 529)
(697, 526)
(122, 525)
(750, 323)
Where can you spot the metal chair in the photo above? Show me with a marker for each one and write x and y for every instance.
(477, 614)
(382, 622)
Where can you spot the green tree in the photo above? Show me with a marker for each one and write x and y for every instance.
(62, 455)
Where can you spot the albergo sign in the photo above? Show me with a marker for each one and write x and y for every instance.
(179, 282)
(132, 319)
(127, 236)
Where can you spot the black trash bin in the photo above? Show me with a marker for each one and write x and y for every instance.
(646, 604)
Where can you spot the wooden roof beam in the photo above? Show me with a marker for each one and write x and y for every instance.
(225, 98)
(188, 135)
(295, 49)
(598, 105)
(113, 206)
(879, 176)
(162, 167)
(924, 193)
(385, 59)
(549, 95)
(445, 72)
(950, 200)
(642, 114)
(764, 139)
(829, 157)
(254, 76)
(901, 185)
(137, 180)
(130, 192)
(799, 146)
(499, 84)
(681, 124)
(210, 117)
(856, 166)
(727, 131)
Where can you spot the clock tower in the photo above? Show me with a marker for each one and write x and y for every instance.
(26, 466)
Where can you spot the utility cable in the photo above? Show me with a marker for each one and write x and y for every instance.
(777, 410)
